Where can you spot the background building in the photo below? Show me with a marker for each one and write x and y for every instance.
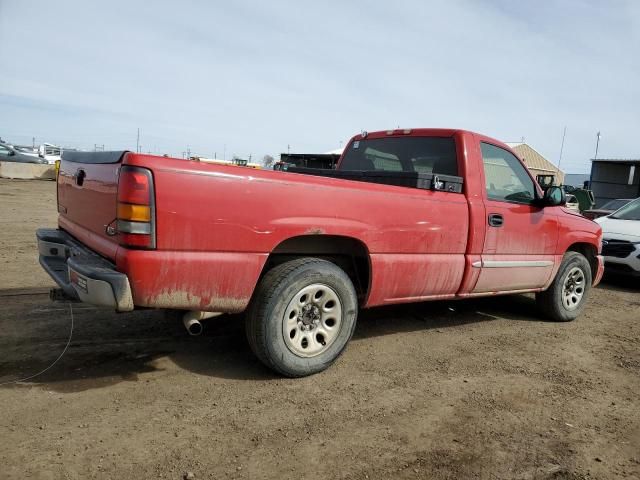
(536, 163)
(614, 178)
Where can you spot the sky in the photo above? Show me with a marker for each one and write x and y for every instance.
(254, 77)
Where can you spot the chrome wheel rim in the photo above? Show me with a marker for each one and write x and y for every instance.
(573, 288)
(312, 320)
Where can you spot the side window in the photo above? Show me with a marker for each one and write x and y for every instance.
(506, 178)
(4, 152)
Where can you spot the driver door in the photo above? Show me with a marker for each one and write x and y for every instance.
(520, 238)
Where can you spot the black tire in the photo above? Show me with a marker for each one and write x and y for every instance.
(551, 301)
(265, 317)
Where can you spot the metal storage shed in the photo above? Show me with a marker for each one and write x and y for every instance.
(614, 178)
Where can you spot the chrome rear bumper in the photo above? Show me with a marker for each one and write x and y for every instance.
(81, 273)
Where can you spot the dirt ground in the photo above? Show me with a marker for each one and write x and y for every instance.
(481, 389)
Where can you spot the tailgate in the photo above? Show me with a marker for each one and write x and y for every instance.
(87, 198)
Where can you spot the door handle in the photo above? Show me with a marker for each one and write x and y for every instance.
(496, 220)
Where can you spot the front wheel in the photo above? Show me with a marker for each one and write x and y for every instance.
(302, 316)
(565, 298)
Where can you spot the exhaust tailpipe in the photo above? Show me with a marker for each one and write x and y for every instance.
(193, 326)
(192, 319)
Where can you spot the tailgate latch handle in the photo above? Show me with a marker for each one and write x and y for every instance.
(79, 176)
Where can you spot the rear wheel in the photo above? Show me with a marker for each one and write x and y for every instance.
(565, 298)
(302, 316)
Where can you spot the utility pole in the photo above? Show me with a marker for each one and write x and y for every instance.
(564, 133)
(33, 142)
(595, 157)
(138, 142)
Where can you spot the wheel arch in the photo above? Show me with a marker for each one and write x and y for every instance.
(590, 252)
(348, 253)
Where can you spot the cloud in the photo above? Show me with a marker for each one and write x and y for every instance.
(257, 76)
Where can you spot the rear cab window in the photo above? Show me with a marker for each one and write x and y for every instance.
(435, 155)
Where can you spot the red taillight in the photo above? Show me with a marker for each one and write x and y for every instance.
(134, 186)
(136, 208)
(136, 240)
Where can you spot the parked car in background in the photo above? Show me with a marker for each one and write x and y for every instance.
(606, 209)
(584, 197)
(9, 154)
(32, 152)
(621, 239)
(572, 203)
(50, 153)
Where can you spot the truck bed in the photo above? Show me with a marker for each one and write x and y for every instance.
(216, 226)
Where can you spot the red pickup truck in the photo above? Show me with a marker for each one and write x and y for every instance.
(408, 216)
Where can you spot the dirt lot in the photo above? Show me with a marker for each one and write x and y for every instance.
(483, 389)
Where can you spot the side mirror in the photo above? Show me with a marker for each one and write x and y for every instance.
(554, 197)
(12, 153)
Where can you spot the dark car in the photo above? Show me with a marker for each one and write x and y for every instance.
(8, 153)
(606, 209)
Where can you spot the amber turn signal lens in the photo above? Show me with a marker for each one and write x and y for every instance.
(135, 213)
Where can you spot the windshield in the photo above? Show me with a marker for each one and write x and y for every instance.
(615, 204)
(630, 211)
